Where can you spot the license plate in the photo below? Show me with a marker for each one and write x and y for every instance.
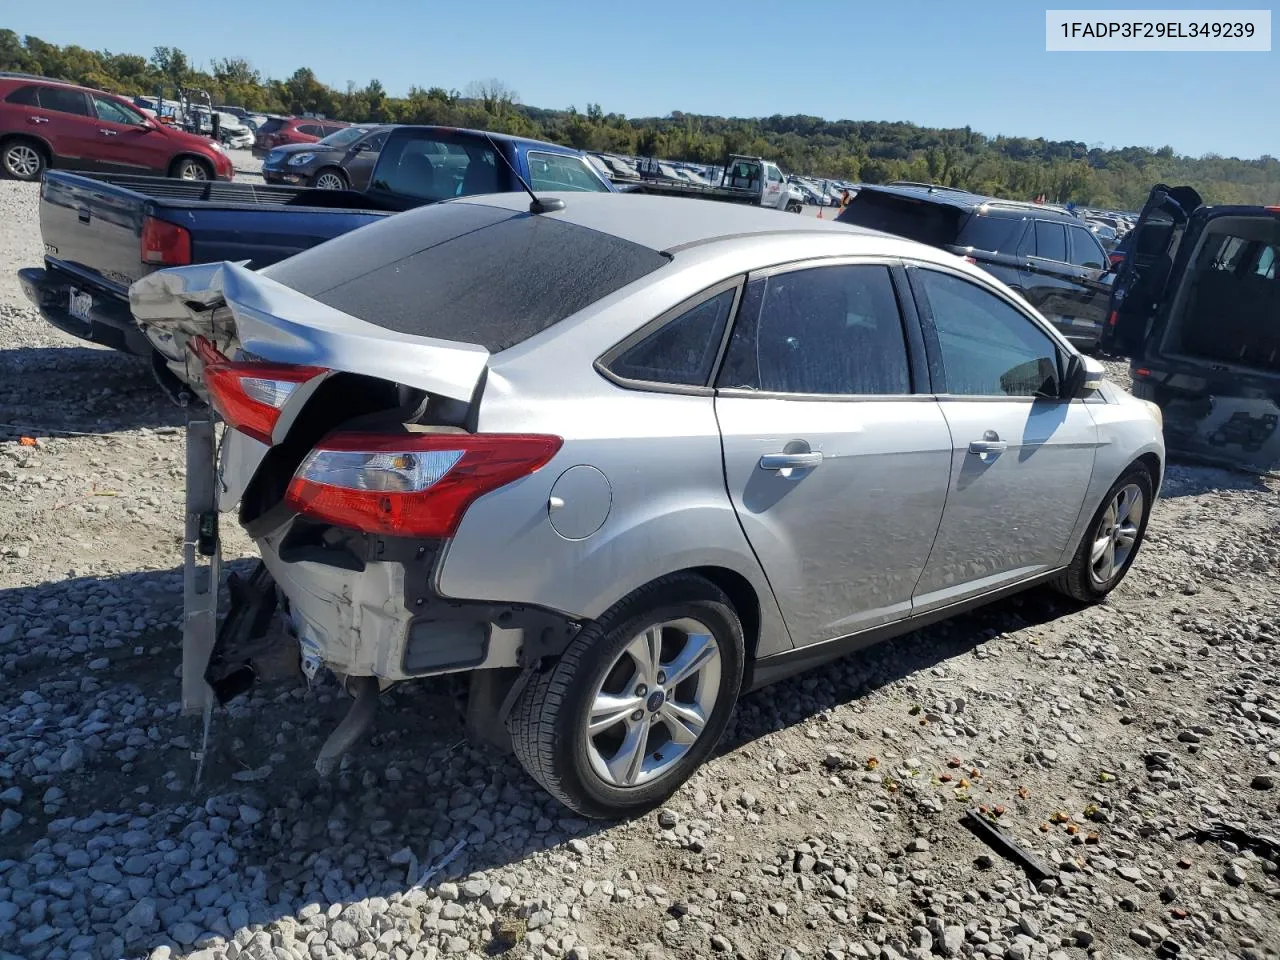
(80, 305)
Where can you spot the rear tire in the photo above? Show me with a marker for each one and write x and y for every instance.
(329, 178)
(22, 159)
(592, 731)
(1111, 540)
(191, 168)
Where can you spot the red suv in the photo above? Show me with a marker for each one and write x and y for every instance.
(278, 131)
(47, 123)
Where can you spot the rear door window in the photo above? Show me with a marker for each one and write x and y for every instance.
(558, 171)
(1051, 241)
(1085, 250)
(64, 100)
(311, 129)
(832, 331)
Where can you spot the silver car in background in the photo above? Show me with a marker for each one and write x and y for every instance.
(630, 457)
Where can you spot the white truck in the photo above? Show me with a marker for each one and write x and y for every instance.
(752, 180)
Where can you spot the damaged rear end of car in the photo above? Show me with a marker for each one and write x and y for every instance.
(350, 455)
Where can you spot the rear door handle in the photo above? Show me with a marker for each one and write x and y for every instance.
(107, 133)
(987, 446)
(790, 461)
(39, 119)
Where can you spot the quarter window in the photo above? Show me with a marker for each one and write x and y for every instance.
(24, 95)
(1051, 241)
(987, 347)
(557, 171)
(64, 100)
(823, 330)
(683, 350)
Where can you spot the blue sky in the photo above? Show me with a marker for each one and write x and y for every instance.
(937, 64)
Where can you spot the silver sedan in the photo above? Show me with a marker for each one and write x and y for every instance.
(623, 458)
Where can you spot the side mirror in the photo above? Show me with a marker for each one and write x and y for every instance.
(1084, 376)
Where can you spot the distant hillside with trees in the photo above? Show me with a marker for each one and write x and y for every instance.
(867, 151)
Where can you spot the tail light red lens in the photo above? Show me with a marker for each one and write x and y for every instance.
(249, 396)
(165, 244)
(971, 260)
(1113, 319)
(410, 484)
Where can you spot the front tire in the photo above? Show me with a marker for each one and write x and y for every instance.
(189, 168)
(22, 160)
(636, 703)
(1112, 539)
(330, 178)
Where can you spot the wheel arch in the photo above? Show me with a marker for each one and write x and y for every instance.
(38, 142)
(208, 164)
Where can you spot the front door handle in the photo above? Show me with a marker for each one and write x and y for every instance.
(107, 133)
(791, 461)
(990, 443)
(39, 119)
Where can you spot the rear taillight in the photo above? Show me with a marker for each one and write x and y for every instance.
(165, 244)
(1114, 318)
(249, 395)
(410, 484)
(1142, 372)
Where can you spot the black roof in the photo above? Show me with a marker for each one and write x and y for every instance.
(969, 202)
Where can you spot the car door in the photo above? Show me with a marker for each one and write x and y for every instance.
(1092, 281)
(1047, 273)
(126, 142)
(772, 186)
(360, 160)
(836, 457)
(1021, 458)
(64, 120)
(1144, 275)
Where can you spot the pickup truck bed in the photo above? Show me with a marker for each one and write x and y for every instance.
(93, 226)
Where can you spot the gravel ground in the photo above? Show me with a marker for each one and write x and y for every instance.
(828, 826)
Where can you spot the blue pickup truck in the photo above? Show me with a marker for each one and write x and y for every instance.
(103, 232)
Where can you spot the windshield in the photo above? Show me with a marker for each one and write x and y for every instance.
(345, 137)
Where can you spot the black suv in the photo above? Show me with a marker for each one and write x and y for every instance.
(1045, 254)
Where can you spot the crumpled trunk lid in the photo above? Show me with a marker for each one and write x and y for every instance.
(245, 314)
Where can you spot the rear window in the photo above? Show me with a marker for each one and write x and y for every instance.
(932, 223)
(466, 272)
(993, 234)
(272, 125)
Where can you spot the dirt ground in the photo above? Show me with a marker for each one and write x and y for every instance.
(829, 825)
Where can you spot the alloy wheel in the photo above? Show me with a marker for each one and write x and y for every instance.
(653, 703)
(329, 181)
(1116, 534)
(193, 171)
(22, 161)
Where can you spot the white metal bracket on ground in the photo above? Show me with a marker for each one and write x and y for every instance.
(200, 575)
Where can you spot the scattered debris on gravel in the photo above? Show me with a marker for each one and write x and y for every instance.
(1132, 749)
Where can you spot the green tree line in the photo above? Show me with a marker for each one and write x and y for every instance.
(866, 151)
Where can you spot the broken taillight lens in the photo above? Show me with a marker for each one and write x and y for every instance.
(165, 244)
(410, 484)
(250, 395)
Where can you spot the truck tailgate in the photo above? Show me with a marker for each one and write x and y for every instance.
(93, 226)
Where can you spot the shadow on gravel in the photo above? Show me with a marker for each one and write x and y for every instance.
(859, 674)
(45, 391)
